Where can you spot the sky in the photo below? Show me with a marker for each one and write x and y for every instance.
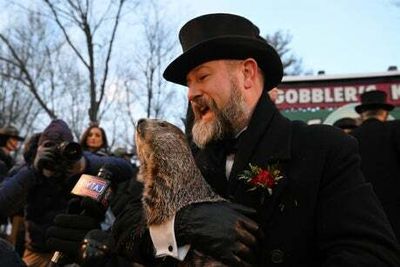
(339, 37)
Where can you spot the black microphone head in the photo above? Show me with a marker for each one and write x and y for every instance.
(109, 171)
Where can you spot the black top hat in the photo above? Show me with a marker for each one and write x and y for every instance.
(223, 36)
(11, 131)
(346, 123)
(373, 100)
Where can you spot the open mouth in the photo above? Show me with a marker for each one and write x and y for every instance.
(201, 110)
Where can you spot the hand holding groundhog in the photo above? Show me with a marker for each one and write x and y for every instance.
(219, 234)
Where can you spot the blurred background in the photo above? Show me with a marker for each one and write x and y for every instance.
(101, 61)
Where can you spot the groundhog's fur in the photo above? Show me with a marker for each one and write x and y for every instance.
(168, 170)
(170, 176)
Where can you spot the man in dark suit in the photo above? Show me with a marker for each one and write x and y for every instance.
(312, 204)
(379, 144)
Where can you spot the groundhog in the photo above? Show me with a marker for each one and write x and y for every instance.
(170, 176)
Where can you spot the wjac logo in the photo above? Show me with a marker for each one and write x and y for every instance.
(95, 186)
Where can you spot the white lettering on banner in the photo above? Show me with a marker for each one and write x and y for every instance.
(317, 95)
(338, 94)
(350, 94)
(291, 96)
(328, 97)
(395, 88)
(304, 95)
(280, 98)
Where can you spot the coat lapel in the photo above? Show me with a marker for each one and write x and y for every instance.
(267, 140)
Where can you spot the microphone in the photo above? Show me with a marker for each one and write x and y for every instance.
(97, 188)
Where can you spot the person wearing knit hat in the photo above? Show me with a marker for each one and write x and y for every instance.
(49, 158)
(57, 131)
(43, 190)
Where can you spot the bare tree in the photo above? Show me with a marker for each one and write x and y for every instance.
(155, 50)
(90, 20)
(16, 108)
(292, 65)
(27, 48)
(143, 90)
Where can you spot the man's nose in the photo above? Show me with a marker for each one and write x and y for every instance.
(193, 92)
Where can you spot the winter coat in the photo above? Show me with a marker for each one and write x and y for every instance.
(44, 198)
(322, 212)
(379, 144)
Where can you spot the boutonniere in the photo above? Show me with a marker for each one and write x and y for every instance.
(262, 178)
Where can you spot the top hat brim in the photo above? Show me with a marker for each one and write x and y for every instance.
(232, 47)
(370, 106)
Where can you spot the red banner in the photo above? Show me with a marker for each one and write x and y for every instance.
(329, 95)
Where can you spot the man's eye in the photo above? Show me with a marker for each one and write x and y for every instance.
(202, 77)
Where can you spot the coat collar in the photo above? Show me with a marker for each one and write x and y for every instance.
(267, 138)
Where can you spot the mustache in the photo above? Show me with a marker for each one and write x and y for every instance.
(199, 104)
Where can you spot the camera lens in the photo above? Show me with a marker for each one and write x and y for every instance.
(49, 144)
(71, 151)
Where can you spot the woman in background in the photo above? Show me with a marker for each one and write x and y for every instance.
(94, 139)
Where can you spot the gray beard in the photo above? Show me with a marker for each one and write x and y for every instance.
(228, 121)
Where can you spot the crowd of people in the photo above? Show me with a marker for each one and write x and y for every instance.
(295, 194)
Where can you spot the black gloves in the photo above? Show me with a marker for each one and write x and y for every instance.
(96, 248)
(70, 229)
(219, 230)
(49, 162)
(132, 237)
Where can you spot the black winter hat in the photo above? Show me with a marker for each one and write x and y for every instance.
(223, 36)
(346, 123)
(57, 131)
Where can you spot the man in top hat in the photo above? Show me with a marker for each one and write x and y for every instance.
(379, 145)
(312, 206)
(9, 140)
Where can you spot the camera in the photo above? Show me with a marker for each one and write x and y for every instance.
(70, 151)
(65, 153)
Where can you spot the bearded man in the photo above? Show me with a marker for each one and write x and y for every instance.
(312, 206)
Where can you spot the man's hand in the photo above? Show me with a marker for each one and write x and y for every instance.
(70, 229)
(49, 162)
(219, 230)
(45, 160)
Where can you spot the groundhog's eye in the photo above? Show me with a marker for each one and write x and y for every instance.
(163, 124)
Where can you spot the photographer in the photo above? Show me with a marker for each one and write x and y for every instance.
(44, 188)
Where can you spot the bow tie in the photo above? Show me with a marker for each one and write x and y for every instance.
(231, 145)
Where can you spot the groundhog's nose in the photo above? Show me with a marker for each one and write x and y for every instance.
(140, 121)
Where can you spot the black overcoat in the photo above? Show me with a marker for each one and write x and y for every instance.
(379, 144)
(322, 213)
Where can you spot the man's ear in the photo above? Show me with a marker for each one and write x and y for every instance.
(250, 68)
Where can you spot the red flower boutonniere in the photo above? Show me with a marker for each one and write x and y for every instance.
(260, 178)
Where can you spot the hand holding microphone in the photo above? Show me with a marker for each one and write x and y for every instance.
(83, 214)
(70, 229)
